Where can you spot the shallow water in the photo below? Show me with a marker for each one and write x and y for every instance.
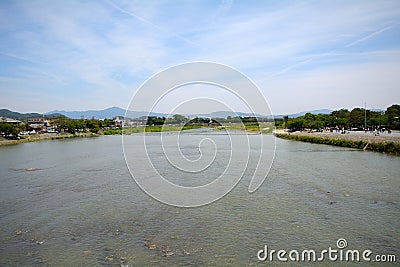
(82, 203)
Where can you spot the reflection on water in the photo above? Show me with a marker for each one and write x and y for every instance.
(80, 206)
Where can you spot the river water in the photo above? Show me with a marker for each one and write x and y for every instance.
(79, 206)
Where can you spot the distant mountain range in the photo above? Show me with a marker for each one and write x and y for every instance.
(108, 113)
(318, 111)
(21, 116)
(116, 111)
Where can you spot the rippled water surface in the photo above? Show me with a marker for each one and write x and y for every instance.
(76, 204)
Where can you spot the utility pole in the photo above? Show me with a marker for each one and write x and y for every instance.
(365, 116)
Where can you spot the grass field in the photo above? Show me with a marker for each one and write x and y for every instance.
(263, 127)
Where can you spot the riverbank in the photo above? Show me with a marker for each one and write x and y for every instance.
(386, 143)
(46, 136)
(264, 128)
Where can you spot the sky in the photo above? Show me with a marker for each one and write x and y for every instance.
(302, 55)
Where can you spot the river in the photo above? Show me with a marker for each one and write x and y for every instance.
(74, 203)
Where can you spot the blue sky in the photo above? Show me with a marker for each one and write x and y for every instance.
(303, 55)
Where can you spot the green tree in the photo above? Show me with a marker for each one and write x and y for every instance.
(357, 116)
(393, 117)
(296, 124)
(9, 129)
(179, 118)
(342, 113)
(376, 119)
(93, 125)
(152, 120)
(70, 126)
(285, 119)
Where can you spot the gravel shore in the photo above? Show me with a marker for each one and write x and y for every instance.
(353, 136)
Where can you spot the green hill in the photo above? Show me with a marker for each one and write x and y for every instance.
(23, 116)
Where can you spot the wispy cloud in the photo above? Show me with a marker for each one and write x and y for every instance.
(369, 36)
(293, 66)
(159, 28)
(107, 49)
(21, 58)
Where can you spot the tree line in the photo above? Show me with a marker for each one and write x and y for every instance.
(62, 124)
(343, 119)
(357, 118)
(82, 125)
(180, 119)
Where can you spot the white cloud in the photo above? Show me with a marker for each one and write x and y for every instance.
(334, 87)
(109, 48)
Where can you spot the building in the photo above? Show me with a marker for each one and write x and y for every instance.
(118, 122)
(8, 120)
(38, 120)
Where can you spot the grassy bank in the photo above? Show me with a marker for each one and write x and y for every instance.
(154, 128)
(5, 142)
(386, 147)
(263, 128)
